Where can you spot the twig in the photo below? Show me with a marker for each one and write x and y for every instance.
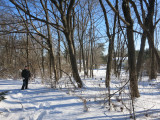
(21, 104)
(119, 89)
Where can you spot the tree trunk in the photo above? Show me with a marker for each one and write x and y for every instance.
(152, 74)
(111, 42)
(73, 59)
(69, 25)
(59, 55)
(150, 27)
(80, 47)
(42, 63)
(49, 41)
(27, 49)
(151, 31)
(82, 54)
(91, 44)
(59, 71)
(131, 51)
(140, 55)
(87, 61)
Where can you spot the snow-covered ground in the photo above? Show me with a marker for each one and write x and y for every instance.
(40, 102)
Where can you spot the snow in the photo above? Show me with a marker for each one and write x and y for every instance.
(40, 102)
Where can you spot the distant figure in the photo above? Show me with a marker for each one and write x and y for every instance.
(26, 75)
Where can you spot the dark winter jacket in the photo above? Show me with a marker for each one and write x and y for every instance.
(26, 73)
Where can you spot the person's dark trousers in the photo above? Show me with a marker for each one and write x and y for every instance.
(25, 84)
(26, 87)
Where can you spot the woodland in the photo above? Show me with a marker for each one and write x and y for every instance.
(58, 38)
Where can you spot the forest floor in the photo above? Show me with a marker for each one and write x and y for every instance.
(40, 102)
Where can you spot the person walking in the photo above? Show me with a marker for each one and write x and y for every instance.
(25, 75)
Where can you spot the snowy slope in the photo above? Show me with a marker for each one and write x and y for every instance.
(39, 102)
(42, 103)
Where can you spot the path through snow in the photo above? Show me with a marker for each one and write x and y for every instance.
(42, 103)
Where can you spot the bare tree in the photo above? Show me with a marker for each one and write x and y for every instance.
(111, 46)
(148, 30)
(68, 30)
(49, 41)
(111, 37)
(67, 27)
(82, 23)
(131, 49)
(148, 23)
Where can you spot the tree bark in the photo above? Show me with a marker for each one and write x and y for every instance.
(73, 60)
(59, 71)
(49, 41)
(151, 31)
(68, 23)
(131, 50)
(148, 29)
(111, 42)
(141, 52)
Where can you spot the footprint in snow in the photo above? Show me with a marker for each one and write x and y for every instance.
(44, 105)
(17, 95)
(40, 115)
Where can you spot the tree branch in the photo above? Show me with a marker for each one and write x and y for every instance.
(137, 14)
(124, 21)
(36, 18)
(106, 18)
